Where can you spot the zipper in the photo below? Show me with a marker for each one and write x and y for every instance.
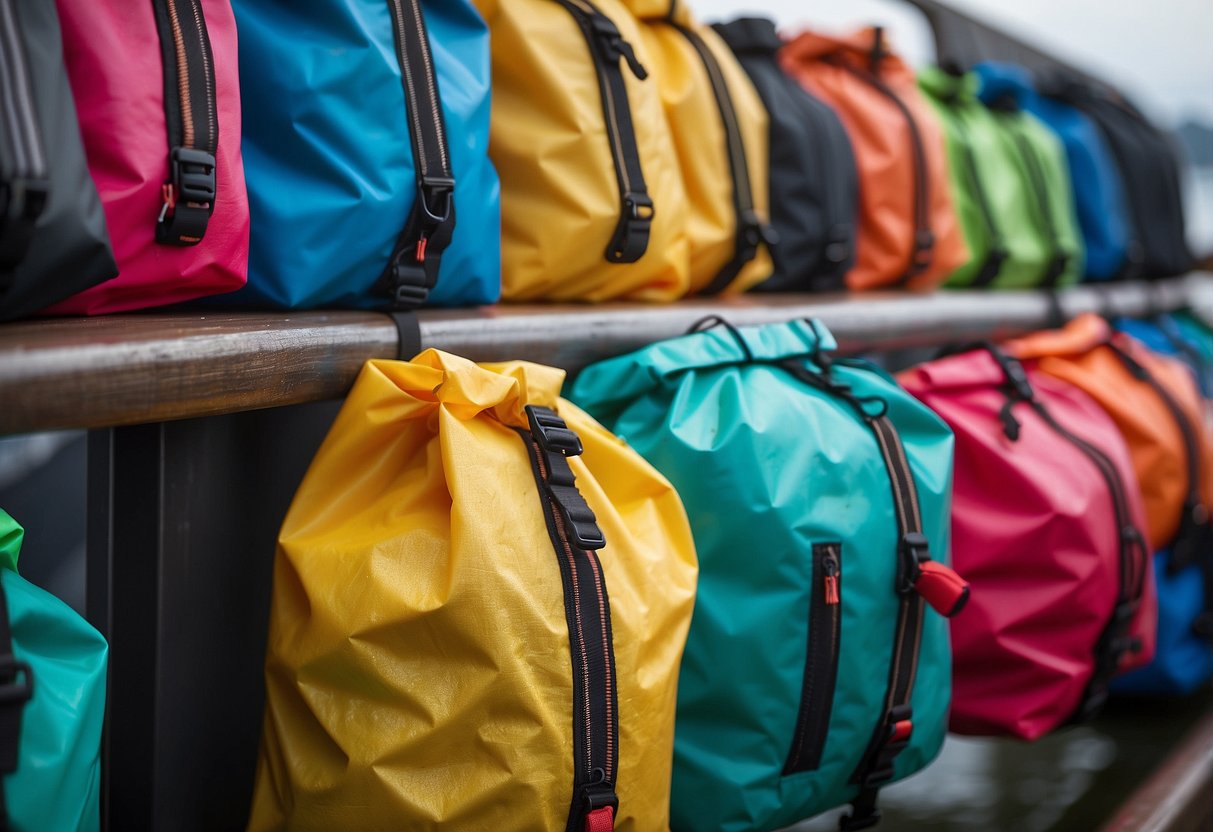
(751, 231)
(192, 118)
(575, 537)
(924, 239)
(1192, 540)
(821, 662)
(1114, 641)
(607, 48)
(1044, 208)
(997, 254)
(412, 269)
(25, 185)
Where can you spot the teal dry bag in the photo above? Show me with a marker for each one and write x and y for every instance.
(52, 702)
(818, 493)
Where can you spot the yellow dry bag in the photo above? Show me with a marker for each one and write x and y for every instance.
(452, 644)
(719, 128)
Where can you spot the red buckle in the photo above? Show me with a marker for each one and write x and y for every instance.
(600, 820)
(902, 731)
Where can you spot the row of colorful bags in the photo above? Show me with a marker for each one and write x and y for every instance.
(635, 153)
(710, 589)
(714, 598)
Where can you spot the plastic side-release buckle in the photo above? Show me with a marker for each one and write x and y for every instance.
(600, 802)
(189, 198)
(552, 432)
(557, 442)
(631, 238)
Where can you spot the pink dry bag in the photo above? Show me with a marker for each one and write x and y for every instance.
(158, 97)
(1047, 527)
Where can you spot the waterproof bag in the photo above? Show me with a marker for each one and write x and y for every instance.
(1148, 162)
(908, 231)
(813, 181)
(1011, 189)
(157, 93)
(366, 133)
(818, 496)
(719, 127)
(1099, 197)
(52, 229)
(52, 704)
(1154, 402)
(1047, 527)
(480, 602)
(1182, 339)
(592, 200)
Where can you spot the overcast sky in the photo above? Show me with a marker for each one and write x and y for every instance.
(1159, 51)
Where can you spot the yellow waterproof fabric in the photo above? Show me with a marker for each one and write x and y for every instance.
(418, 670)
(560, 199)
(698, 133)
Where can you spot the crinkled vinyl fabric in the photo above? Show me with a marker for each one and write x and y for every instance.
(767, 467)
(1076, 354)
(112, 51)
(330, 165)
(698, 132)
(560, 199)
(882, 140)
(986, 168)
(1034, 531)
(1098, 193)
(57, 784)
(418, 671)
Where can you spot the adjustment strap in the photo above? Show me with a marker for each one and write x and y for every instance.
(557, 442)
(408, 331)
(412, 270)
(16, 687)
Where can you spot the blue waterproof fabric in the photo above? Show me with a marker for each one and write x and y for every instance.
(327, 153)
(1182, 659)
(57, 784)
(768, 466)
(1099, 194)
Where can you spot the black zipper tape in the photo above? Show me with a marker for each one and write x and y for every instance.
(608, 48)
(821, 660)
(751, 231)
(924, 239)
(1114, 640)
(191, 113)
(575, 537)
(24, 175)
(412, 270)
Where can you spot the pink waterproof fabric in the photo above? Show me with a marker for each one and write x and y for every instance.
(1035, 534)
(113, 61)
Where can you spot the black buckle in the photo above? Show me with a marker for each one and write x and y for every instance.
(913, 551)
(599, 794)
(436, 194)
(408, 281)
(631, 237)
(18, 684)
(185, 216)
(552, 433)
(1017, 376)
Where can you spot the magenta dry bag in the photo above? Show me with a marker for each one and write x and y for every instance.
(1047, 528)
(158, 98)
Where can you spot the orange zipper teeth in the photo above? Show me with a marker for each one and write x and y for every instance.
(183, 77)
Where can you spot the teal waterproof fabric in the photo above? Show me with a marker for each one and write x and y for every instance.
(768, 467)
(1011, 185)
(57, 784)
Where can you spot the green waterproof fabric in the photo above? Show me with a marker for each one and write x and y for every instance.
(1001, 164)
(768, 466)
(57, 784)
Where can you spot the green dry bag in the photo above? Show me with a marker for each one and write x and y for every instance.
(1011, 185)
(818, 493)
(52, 702)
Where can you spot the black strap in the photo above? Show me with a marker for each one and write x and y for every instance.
(16, 687)
(408, 330)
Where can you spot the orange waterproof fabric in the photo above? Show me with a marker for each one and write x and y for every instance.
(883, 142)
(1077, 354)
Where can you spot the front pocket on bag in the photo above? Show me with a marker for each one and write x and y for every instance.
(821, 661)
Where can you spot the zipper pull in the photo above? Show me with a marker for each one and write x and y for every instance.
(830, 565)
